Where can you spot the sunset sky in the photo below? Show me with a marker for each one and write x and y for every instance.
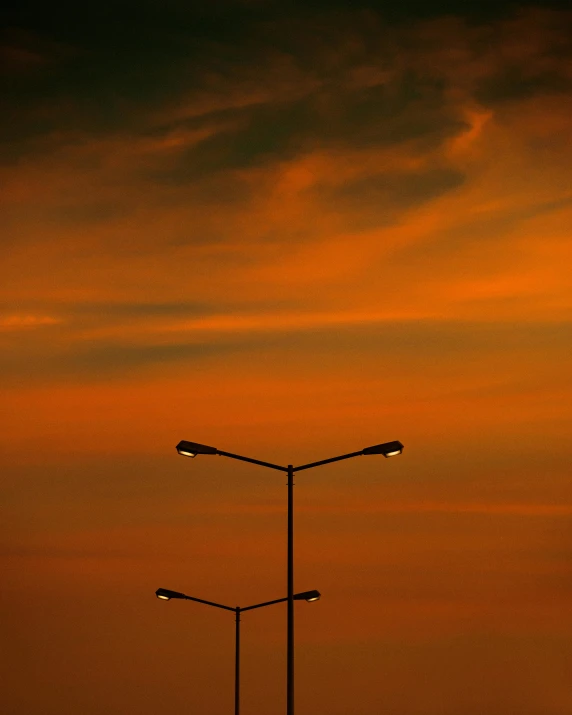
(291, 231)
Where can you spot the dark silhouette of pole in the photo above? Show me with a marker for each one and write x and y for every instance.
(192, 449)
(237, 663)
(166, 595)
(290, 586)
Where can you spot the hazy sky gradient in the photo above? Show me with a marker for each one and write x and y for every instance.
(290, 231)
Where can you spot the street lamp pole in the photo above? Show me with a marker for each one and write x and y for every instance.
(290, 586)
(166, 594)
(237, 662)
(192, 449)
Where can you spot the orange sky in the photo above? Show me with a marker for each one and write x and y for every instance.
(289, 235)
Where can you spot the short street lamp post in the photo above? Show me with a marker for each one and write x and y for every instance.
(192, 449)
(166, 595)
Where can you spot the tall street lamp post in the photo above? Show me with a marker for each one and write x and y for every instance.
(166, 595)
(387, 449)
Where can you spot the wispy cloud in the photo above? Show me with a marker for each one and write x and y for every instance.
(389, 507)
(23, 322)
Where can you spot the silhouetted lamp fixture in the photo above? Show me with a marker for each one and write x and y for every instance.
(166, 595)
(307, 596)
(191, 449)
(387, 449)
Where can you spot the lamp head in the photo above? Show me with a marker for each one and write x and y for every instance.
(388, 449)
(191, 449)
(307, 596)
(166, 595)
